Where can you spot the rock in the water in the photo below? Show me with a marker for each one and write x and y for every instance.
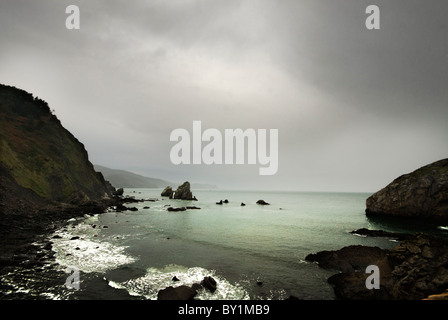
(348, 259)
(381, 233)
(178, 293)
(262, 202)
(167, 192)
(171, 209)
(118, 192)
(420, 194)
(183, 192)
(209, 283)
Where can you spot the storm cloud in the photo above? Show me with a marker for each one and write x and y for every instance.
(354, 108)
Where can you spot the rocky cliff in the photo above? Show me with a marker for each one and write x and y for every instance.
(421, 194)
(41, 163)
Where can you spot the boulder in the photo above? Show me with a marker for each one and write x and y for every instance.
(171, 209)
(118, 192)
(262, 202)
(167, 192)
(209, 283)
(421, 194)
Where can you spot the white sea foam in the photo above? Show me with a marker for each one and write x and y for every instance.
(157, 279)
(77, 246)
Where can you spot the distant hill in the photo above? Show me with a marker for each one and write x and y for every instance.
(126, 179)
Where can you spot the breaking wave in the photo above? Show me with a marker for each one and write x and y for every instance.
(157, 279)
(78, 246)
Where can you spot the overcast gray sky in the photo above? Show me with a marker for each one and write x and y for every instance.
(355, 108)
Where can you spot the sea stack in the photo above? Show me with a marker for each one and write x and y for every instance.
(183, 192)
(167, 192)
(421, 194)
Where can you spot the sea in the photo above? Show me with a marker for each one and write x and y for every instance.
(254, 252)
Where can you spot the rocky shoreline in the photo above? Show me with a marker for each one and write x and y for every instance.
(417, 268)
(22, 227)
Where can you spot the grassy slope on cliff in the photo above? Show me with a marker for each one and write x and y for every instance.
(39, 158)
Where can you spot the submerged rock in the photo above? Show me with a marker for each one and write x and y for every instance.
(420, 194)
(171, 209)
(381, 233)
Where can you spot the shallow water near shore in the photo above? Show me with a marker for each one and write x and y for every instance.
(253, 251)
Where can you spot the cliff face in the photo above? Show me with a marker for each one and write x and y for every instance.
(419, 194)
(40, 161)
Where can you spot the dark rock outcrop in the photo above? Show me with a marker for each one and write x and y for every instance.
(414, 269)
(178, 293)
(184, 292)
(348, 259)
(262, 202)
(171, 209)
(209, 283)
(183, 192)
(167, 192)
(118, 192)
(381, 233)
(422, 194)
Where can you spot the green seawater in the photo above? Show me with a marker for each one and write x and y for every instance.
(253, 251)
